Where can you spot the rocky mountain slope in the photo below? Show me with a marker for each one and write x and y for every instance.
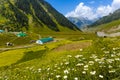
(80, 22)
(32, 15)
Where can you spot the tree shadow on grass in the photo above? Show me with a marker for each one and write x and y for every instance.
(31, 55)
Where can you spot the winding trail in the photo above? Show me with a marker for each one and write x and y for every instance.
(17, 47)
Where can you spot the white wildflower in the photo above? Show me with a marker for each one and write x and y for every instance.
(112, 55)
(81, 49)
(84, 72)
(93, 72)
(101, 62)
(91, 62)
(78, 56)
(75, 78)
(114, 49)
(31, 68)
(93, 56)
(58, 76)
(48, 69)
(117, 59)
(110, 60)
(97, 60)
(101, 76)
(83, 58)
(110, 66)
(39, 70)
(66, 63)
(66, 71)
(56, 65)
(86, 67)
(79, 64)
(65, 77)
(112, 71)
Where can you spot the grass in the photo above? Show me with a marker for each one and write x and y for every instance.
(106, 27)
(72, 58)
(2, 20)
(10, 57)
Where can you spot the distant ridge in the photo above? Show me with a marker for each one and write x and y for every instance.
(106, 19)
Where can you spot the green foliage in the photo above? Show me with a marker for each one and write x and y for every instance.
(21, 18)
(25, 6)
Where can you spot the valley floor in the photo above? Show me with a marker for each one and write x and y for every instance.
(75, 57)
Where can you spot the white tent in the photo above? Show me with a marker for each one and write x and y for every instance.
(39, 42)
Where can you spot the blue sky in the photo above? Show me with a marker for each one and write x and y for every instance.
(90, 9)
(65, 6)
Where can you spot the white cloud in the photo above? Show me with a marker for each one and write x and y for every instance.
(103, 10)
(87, 12)
(82, 11)
(115, 4)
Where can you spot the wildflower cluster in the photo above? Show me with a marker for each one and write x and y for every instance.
(72, 67)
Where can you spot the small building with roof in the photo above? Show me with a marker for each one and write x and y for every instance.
(44, 40)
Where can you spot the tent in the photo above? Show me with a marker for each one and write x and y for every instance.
(44, 40)
(21, 34)
(1, 31)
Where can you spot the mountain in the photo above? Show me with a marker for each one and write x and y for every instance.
(107, 19)
(80, 22)
(32, 15)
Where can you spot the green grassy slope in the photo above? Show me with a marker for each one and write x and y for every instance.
(106, 27)
(33, 15)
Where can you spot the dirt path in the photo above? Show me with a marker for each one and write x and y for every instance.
(74, 46)
(17, 47)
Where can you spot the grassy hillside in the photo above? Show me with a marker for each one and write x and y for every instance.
(32, 15)
(109, 27)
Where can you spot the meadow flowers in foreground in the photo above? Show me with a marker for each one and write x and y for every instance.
(77, 67)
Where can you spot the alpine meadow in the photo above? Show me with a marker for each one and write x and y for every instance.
(45, 40)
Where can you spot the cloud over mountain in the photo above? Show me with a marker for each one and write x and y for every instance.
(82, 10)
